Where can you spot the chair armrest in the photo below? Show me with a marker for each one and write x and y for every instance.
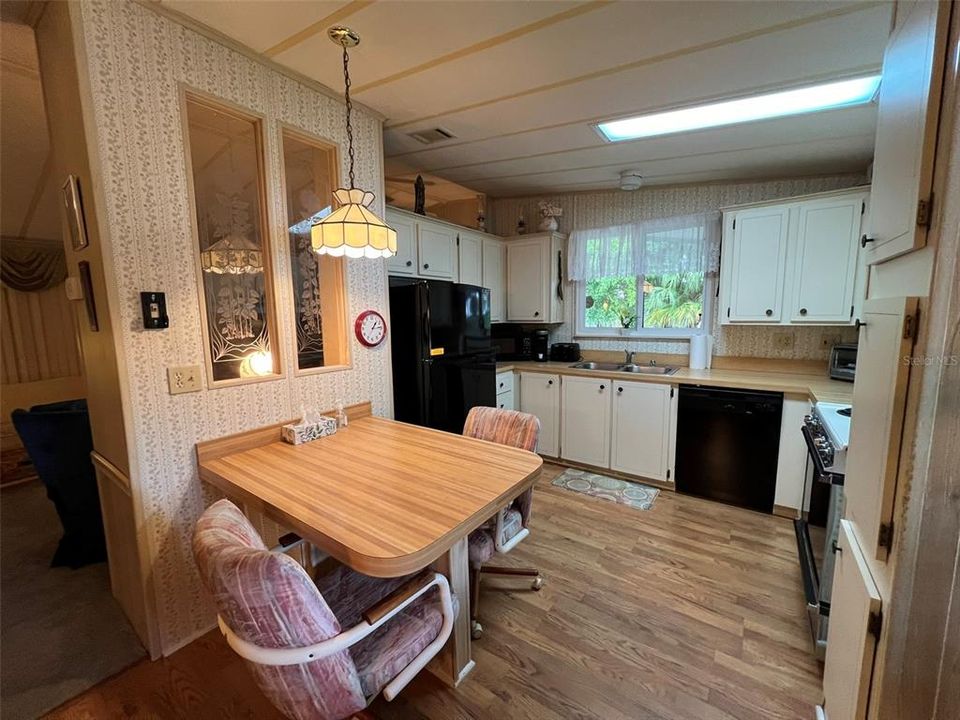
(498, 543)
(388, 605)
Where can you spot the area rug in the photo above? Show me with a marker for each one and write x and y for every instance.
(607, 488)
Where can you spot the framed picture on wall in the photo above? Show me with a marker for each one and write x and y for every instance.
(86, 282)
(73, 209)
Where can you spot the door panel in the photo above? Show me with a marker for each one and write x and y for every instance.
(494, 261)
(526, 281)
(405, 261)
(879, 401)
(585, 425)
(540, 396)
(758, 257)
(471, 259)
(437, 251)
(848, 667)
(641, 429)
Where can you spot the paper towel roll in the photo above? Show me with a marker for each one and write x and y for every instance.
(699, 352)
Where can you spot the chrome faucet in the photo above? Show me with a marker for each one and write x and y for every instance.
(628, 357)
(653, 363)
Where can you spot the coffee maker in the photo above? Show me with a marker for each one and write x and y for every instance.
(540, 344)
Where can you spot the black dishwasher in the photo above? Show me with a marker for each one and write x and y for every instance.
(727, 445)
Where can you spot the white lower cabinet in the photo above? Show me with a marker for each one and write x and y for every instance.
(505, 400)
(585, 424)
(540, 396)
(505, 396)
(641, 434)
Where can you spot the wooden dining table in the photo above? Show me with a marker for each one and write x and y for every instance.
(385, 498)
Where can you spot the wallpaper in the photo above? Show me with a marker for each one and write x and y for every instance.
(614, 207)
(137, 62)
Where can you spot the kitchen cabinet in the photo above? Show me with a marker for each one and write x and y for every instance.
(795, 261)
(888, 327)
(405, 261)
(855, 606)
(907, 116)
(505, 394)
(585, 420)
(540, 396)
(641, 434)
(494, 267)
(437, 251)
(534, 282)
(470, 256)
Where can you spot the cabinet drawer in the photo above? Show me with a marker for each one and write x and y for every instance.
(505, 400)
(504, 382)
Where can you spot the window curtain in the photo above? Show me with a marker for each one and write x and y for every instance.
(31, 265)
(680, 244)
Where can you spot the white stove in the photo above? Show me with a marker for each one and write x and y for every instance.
(828, 428)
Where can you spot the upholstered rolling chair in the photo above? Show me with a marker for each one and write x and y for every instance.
(502, 533)
(324, 651)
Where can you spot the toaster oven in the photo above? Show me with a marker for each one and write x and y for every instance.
(843, 361)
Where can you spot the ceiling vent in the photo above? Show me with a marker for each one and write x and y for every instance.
(433, 135)
(630, 180)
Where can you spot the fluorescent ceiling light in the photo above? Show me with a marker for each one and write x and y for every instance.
(842, 93)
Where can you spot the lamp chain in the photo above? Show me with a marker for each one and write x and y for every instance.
(346, 95)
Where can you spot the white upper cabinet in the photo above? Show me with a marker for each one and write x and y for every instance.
(641, 433)
(494, 268)
(795, 261)
(825, 266)
(405, 261)
(534, 283)
(470, 253)
(585, 424)
(540, 396)
(437, 250)
(907, 117)
(755, 260)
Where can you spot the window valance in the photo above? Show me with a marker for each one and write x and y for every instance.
(680, 244)
(31, 265)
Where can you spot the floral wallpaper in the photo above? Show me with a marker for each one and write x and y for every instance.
(138, 63)
(615, 207)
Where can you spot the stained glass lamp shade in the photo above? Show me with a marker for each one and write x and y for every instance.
(232, 255)
(353, 229)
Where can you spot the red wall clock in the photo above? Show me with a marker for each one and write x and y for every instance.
(370, 328)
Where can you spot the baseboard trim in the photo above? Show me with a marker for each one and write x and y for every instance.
(786, 512)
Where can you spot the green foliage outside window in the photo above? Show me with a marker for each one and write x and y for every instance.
(670, 300)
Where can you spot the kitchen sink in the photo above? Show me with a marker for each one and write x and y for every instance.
(620, 367)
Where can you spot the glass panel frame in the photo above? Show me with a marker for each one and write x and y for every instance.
(316, 283)
(232, 244)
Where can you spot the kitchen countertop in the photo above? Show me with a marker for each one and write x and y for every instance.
(817, 387)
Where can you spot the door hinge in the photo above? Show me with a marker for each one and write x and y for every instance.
(875, 623)
(885, 535)
(851, 311)
(728, 312)
(910, 326)
(458, 239)
(734, 223)
(863, 208)
(924, 210)
(668, 473)
(671, 392)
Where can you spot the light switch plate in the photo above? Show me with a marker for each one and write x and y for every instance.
(184, 379)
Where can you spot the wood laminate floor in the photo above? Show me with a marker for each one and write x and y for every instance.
(689, 610)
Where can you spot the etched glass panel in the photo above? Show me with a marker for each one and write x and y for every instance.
(228, 186)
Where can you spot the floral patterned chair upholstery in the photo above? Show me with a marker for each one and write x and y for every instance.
(509, 526)
(291, 631)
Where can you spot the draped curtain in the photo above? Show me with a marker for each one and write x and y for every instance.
(31, 265)
(679, 244)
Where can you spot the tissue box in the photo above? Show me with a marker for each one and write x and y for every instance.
(305, 432)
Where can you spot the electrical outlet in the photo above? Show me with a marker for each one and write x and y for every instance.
(783, 340)
(828, 340)
(184, 379)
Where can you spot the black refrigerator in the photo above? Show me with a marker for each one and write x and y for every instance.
(443, 361)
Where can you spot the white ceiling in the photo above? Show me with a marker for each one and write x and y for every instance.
(520, 83)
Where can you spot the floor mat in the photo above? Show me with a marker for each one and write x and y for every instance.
(624, 492)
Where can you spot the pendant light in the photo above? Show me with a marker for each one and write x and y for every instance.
(352, 229)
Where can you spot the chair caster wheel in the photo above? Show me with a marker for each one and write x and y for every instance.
(476, 632)
(537, 583)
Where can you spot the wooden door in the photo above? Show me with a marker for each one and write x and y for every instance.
(825, 269)
(757, 258)
(879, 402)
(851, 642)
(470, 252)
(494, 260)
(437, 249)
(405, 261)
(540, 396)
(640, 433)
(585, 420)
(908, 110)
(527, 279)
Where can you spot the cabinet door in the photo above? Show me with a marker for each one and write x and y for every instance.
(585, 420)
(540, 396)
(437, 246)
(494, 261)
(876, 427)
(469, 250)
(825, 269)
(756, 261)
(848, 666)
(640, 436)
(505, 400)
(527, 279)
(405, 261)
(907, 116)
